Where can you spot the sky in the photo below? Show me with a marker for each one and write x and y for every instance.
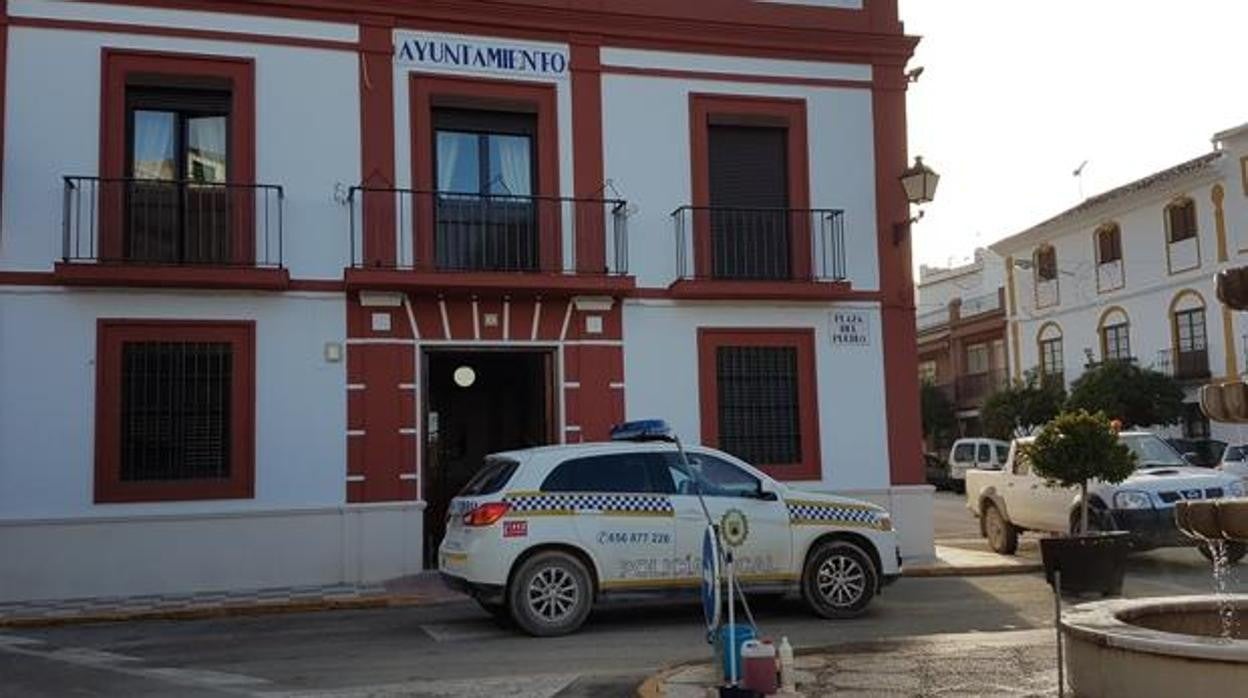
(1015, 94)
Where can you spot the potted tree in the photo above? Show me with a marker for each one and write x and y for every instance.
(1073, 449)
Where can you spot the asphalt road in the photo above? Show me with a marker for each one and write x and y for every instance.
(457, 650)
(951, 517)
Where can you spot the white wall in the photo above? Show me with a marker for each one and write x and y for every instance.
(661, 372)
(938, 286)
(307, 137)
(47, 406)
(647, 151)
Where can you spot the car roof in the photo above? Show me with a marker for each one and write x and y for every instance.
(587, 448)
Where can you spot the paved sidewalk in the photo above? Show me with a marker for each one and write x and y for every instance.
(958, 559)
(1018, 663)
(420, 589)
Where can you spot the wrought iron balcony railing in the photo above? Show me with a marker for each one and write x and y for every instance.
(1185, 365)
(462, 232)
(760, 244)
(171, 222)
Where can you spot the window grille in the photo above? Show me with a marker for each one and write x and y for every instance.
(759, 415)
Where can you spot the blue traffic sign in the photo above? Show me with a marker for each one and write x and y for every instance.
(711, 601)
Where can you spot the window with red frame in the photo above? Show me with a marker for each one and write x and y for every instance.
(758, 399)
(174, 410)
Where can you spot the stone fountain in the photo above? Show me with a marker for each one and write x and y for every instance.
(1172, 646)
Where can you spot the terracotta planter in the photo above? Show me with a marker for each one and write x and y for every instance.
(1089, 563)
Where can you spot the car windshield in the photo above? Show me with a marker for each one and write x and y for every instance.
(1152, 452)
(1235, 454)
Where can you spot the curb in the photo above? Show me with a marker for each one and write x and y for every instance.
(228, 611)
(979, 571)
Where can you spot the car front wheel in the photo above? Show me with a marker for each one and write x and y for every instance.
(551, 594)
(839, 580)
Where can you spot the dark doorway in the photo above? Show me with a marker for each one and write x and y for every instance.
(478, 402)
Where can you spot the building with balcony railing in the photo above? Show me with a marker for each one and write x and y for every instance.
(1129, 273)
(961, 335)
(276, 277)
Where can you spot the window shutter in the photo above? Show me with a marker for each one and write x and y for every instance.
(749, 196)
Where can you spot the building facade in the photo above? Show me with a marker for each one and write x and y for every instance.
(962, 338)
(275, 276)
(1129, 275)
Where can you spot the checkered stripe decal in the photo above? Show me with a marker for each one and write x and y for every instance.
(554, 504)
(822, 513)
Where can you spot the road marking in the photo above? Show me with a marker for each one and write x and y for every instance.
(132, 666)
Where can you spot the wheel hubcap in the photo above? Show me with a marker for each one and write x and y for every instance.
(841, 580)
(553, 594)
(994, 527)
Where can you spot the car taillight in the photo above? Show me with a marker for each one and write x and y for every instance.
(486, 514)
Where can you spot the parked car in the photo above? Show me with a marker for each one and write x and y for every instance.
(1205, 453)
(1235, 461)
(978, 452)
(1014, 499)
(542, 534)
(937, 471)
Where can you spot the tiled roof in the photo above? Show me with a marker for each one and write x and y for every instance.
(1157, 178)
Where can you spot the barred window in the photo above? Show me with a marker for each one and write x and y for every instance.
(175, 411)
(758, 403)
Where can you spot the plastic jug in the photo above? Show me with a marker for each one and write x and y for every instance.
(726, 645)
(759, 659)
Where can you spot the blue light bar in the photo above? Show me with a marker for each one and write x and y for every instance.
(642, 430)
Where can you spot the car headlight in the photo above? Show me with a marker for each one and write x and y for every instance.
(1235, 489)
(886, 522)
(1130, 499)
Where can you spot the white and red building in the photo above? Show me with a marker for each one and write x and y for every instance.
(274, 275)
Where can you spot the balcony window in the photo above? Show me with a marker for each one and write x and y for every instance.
(485, 217)
(749, 202)
(176, 207)
(1116, 342)
(1191, 345)
(1051, 364)
(1108, 244)
(1181, 220)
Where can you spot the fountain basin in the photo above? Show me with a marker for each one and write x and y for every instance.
(1213, 519)
(1163, 647)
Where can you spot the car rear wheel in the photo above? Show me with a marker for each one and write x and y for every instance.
(551, 594)
(839, 580)
(1001, 534)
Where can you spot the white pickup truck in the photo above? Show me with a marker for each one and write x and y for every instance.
(1014, 499)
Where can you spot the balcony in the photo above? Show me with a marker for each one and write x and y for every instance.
(975, 387)
(471, 241)
(1190, 365)
(145, 232)
(982, 304)
(761, 253)
(931, 319)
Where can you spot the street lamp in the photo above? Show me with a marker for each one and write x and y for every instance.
(919, 182)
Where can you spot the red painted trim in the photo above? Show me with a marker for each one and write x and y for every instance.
(712, 289)
(4, 61)
(118, 66)
(735, 77)
(542, 284)
(735, 27)
(901, 380)
(321, 285)
(541, 98)
(180, 32)
(111, 335)
(587, 152)
(791, 114)
(161, 276)
(803, 340)
(377, 142)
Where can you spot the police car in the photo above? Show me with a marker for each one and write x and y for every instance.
(541, 534)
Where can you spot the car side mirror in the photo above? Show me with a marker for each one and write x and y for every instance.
(767, 491)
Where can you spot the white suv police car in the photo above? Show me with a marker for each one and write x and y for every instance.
(541, 534)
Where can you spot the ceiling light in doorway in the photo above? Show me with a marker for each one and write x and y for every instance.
(464, 376)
